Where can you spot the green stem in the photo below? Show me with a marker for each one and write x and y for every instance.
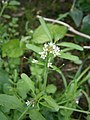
(87, 98)
(64, 79)
(3, 8)
(84, 79)
(45, 72)
(72, 109)
(74, 1)
(62, 75)
(83, 73)
(24, 112)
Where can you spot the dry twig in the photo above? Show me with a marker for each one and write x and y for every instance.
(70, 28)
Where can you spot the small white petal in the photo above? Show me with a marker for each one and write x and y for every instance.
(34, 61)
(49, 64)
(3, 1)
(43, 54)
(54, 47)
(28, 102)
(45, 49)
(50, 44)
(45, 45)
(32, 105)
(77, 101)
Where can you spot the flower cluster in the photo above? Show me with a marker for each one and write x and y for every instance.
(49, 48)
(30, 103)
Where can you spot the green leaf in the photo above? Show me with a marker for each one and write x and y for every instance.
(35, 115)
(51, 88)
(6, 16)
(8, 89)
(22, 90)
(88, 117)
(51, 102)
(85, 28)
(62, 16)
(76, 15)
(4, 77)
(2, 116)
(71, 57)
(14, 2)
(57, 32)
(71, 45)
(78, 62)
(10, 102)
(34, 48)
(85, 6)
(16, 115)
(45, 27)
(12, 49)
(36, 70)
(28, 81)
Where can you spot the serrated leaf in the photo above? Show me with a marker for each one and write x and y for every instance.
(76, 15)
(12, 49)
(35, 115)
(28, 81)
(2, 116)
(34, 48)
(10, 102)
(51, 88)
(71, 45)
(51, 102)
(57, 32)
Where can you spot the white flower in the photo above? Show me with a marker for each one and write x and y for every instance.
(56, 51)
(45, 45)
(49, 64)
(77, 101)
(31, 31)
(34, 61)
(4, 2)
(51, 44)
(28, 103)
(43, 54)
(33, 105)
(45, 48)
(50, 48)
(78, 98)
